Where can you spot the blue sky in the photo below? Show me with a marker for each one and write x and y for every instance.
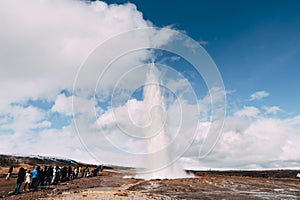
(255, 45)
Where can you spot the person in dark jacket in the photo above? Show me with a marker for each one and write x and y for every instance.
(47, 175)
(9, 172)
(42, 177)
(64, 173)
(20, 180)
(69, 172)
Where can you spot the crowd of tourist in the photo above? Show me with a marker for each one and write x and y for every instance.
(50, 176)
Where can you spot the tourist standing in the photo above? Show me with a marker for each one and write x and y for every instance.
(69, 172)
(76, 172)
(35, 177)
(42, 176)
(56, 175)
(87, 171)
(80, 171)
(10, 170)
(49, 172)
(20, 180)
(53, 175)
(64, 173)
(27, 180)
(83, 172)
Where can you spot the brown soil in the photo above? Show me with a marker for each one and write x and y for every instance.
(272, 184)
(112, 185)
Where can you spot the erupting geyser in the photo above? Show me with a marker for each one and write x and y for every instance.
(159, 161)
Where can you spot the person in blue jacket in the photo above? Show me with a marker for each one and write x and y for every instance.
(35, 177)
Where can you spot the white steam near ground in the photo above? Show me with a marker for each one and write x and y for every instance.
(43, 43)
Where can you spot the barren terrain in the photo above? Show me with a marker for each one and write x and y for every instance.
(111, 184)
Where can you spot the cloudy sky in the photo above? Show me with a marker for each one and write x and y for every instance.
(254, 44)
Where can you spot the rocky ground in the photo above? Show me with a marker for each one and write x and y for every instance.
(112, 185)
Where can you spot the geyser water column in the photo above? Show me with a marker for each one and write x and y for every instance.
(111, 135)
(154, 115)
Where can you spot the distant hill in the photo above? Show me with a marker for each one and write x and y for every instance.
(7, 160)
(279, 173)
(18, 160)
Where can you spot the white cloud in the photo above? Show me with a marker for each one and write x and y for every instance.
(293, 121)
(25, 118)
(63, 105)
(175, 58)
(259, 95)
(180, 87)
(271, 109)
(47, 142)
(50, 40)
(248, 111)
(203, 42)
(250, 144)
(214, 102)
(42, 47)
